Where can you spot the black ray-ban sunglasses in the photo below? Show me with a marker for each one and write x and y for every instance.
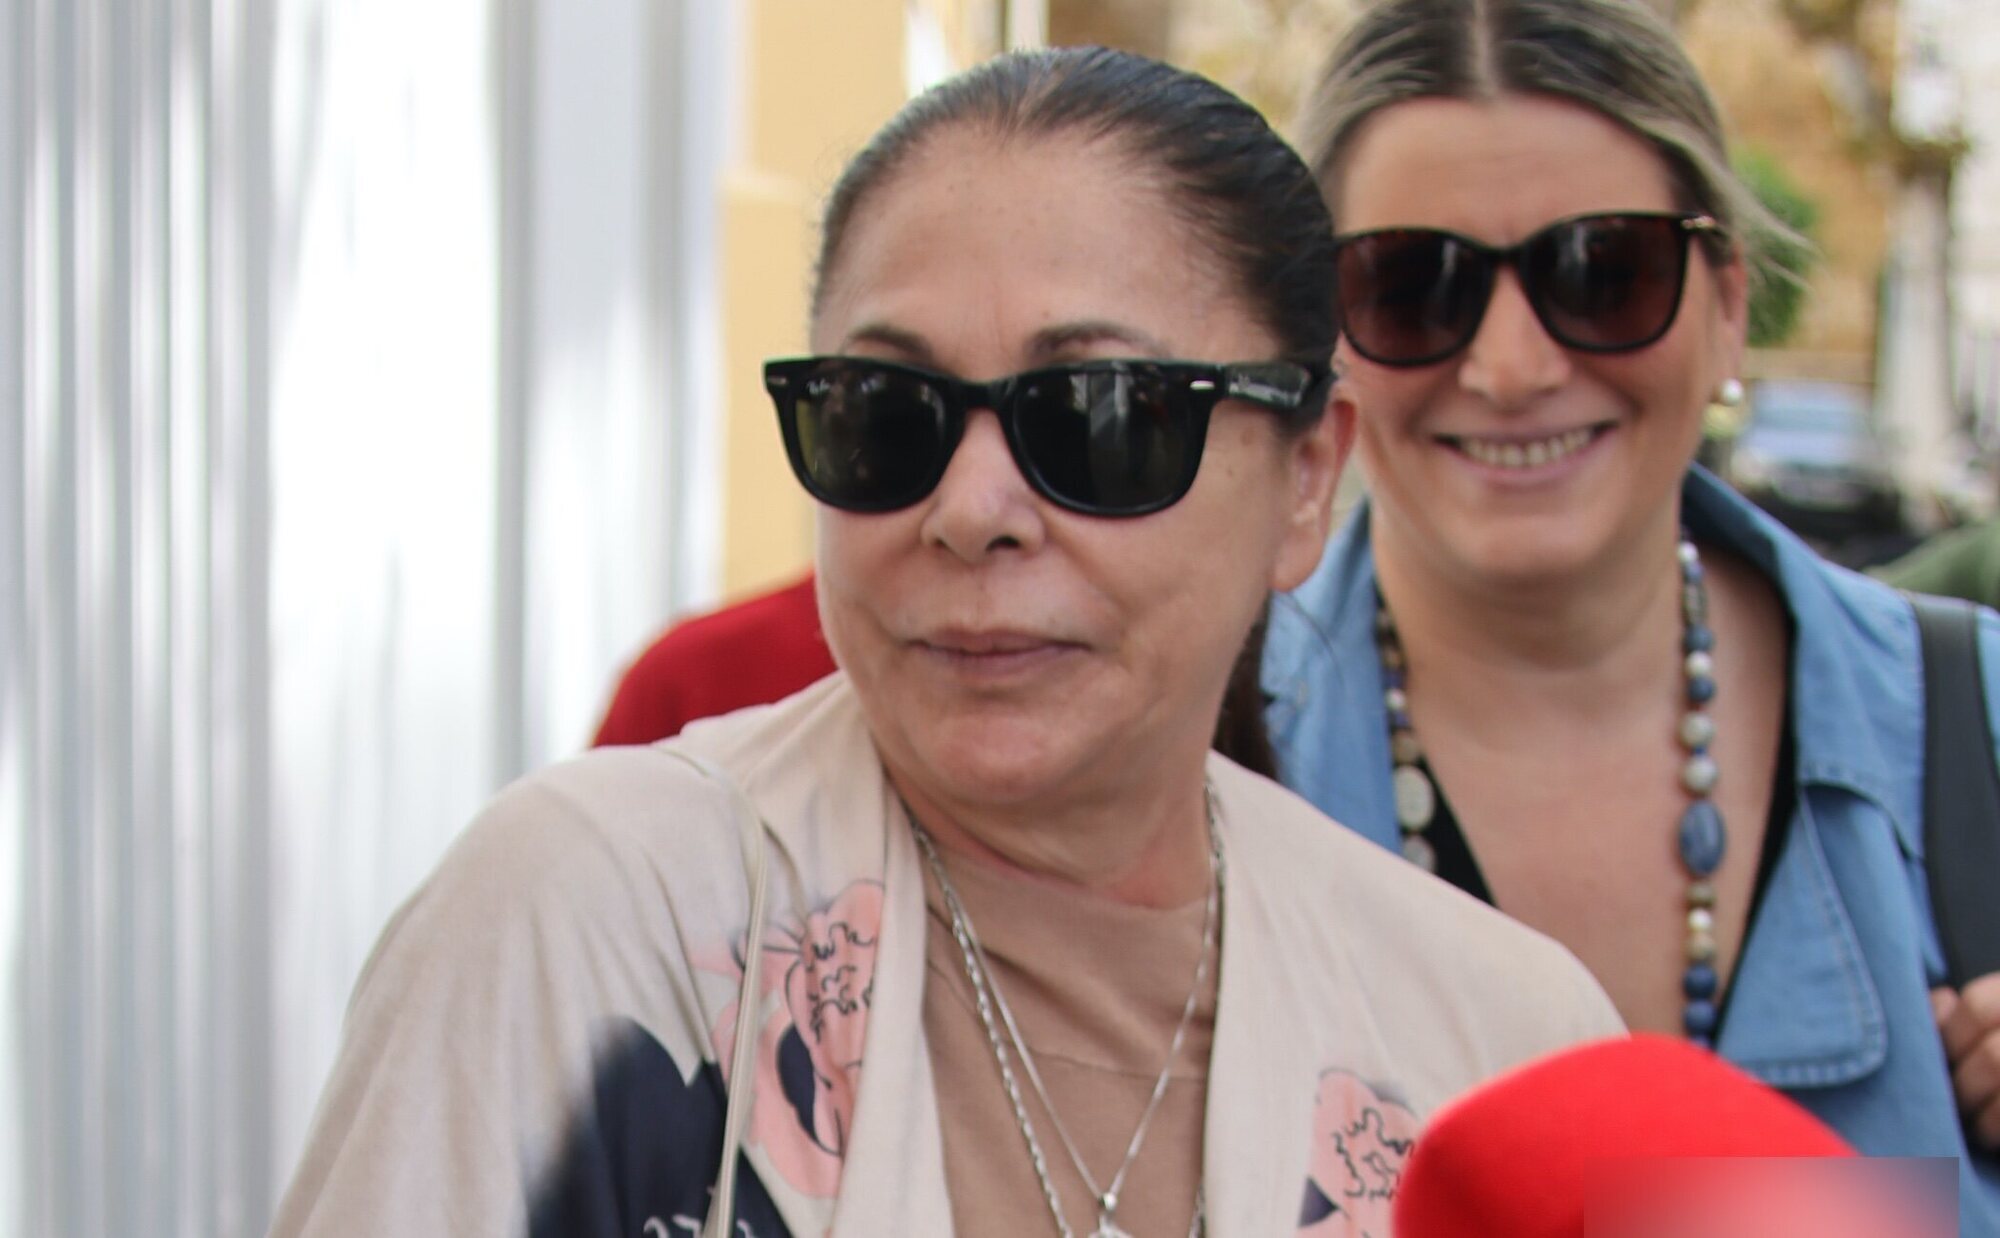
(1105, 438)
(1599, 283)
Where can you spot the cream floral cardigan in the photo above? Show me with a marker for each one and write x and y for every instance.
(539, 1043)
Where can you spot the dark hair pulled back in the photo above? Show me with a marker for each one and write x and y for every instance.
(1214, 158)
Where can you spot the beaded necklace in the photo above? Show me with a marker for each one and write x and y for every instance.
(1701, 837)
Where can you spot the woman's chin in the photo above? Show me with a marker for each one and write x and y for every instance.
(1524, 549)
(1530, 565)
(968, 762)
(995, 779)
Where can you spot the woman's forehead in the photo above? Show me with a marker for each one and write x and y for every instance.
(969, 186)
(1497, 168)
(1001, 241)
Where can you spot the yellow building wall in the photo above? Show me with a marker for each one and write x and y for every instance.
(820, 77)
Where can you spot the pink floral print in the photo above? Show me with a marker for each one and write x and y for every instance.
(1360, 1142)
(822, 971)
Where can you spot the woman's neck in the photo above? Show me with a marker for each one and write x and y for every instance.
(1148, 847)
(1491, 647)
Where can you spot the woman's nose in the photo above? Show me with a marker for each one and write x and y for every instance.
(1512, 359)
(983, 504)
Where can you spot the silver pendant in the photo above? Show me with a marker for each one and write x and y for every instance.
(1107, 1204)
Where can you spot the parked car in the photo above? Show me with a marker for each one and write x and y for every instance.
(1812, 454)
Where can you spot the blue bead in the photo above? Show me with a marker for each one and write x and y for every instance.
(1392, 678)
(1699, 1019)
(1699, 638)
(1700, 689)
(1701, 1042)
(1399, 719)
(1692, 572)
(1699, 982)
(1702, 838)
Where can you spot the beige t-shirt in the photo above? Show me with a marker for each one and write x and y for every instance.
(1098, 988)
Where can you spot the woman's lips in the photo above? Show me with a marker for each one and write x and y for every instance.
(995, 653)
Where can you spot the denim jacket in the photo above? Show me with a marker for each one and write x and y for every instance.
(1831, 990)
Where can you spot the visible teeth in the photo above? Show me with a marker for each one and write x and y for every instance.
(1524, 455)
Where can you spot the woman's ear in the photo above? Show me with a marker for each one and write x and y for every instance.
(1732, 308)
(1315, 459)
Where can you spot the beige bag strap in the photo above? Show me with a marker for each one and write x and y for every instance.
(742, 1073)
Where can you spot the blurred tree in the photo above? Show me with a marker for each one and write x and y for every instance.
(1772, 89)
(1776, 299)
(1870, 51)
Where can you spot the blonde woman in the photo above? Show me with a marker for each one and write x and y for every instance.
(1553, 660)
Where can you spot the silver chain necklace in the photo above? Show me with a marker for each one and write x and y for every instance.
(987, 996)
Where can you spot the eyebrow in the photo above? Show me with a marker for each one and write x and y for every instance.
(1050, 343)
(909, 344)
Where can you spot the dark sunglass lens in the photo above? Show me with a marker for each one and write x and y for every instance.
(1608, 283)
(1409, 297)
(1102, 440)
(870, 437)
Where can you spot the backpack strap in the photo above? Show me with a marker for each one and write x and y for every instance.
(1961, 790)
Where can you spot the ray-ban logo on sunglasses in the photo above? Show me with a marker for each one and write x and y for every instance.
(1246, 386)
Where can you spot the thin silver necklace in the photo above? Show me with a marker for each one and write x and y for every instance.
(987, 996)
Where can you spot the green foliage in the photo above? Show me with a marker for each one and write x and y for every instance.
(1784, 258)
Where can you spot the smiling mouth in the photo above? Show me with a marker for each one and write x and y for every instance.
(1531, 453)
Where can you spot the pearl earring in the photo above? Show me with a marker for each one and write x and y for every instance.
(1729, 392)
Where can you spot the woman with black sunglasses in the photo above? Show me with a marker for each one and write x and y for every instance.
(978, 936)
(1550, 658)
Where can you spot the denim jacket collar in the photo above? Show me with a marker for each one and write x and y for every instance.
(1840, 737)
(1805, 1010)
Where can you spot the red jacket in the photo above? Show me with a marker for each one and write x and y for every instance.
(759, 650)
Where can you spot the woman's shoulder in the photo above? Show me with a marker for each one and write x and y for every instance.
(1822, 599)
(600, 857)
(623, 840)
(1851, 642)
(566, 831)
(579, 946)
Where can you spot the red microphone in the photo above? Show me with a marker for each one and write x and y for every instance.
(1650, 1137)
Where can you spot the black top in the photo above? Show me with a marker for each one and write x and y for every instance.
(1457, 864)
